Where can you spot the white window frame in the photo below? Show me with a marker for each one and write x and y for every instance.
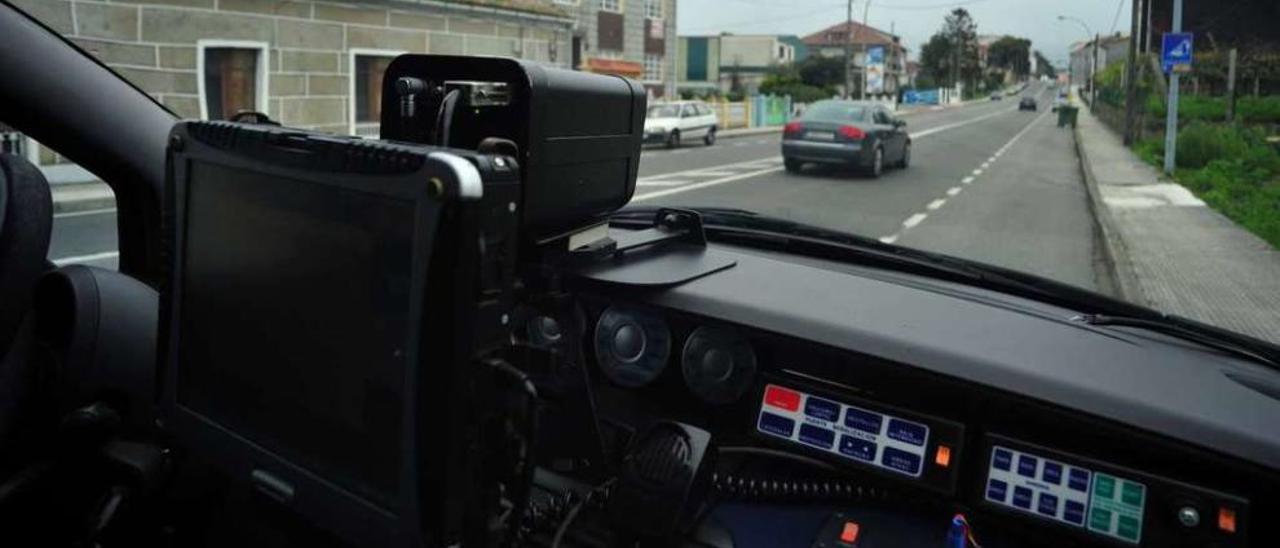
(648, 9)
(351, 78)
(261, 102)
(661, 69)
(567, 2)
(622, 6)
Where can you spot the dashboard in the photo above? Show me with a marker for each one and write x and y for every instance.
(1040, 430)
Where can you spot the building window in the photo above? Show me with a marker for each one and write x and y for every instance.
(367, 70)
(653, 68)
(614, 6)
(233, 78)
(609, 54)
(653, 9)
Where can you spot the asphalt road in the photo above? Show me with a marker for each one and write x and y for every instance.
(987, 182)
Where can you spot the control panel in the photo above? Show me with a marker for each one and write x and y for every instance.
(845, 430)
(1104, 501)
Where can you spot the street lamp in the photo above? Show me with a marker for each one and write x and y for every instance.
(1093, 67)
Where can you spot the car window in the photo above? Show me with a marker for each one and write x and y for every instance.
(664, 111)
(882, 117)
(690, 111)
(836, 111)
(84, 208)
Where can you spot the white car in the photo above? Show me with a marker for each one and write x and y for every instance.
(670, 123)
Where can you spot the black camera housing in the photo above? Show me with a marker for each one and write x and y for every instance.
(578, 135)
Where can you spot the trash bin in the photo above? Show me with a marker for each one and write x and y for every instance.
(1067, 115)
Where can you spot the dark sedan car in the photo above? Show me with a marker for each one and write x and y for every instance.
(851, 133)
(1027, 103)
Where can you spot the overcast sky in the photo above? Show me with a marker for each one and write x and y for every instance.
(914, 20)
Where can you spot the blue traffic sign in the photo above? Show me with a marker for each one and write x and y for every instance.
(1176, 50)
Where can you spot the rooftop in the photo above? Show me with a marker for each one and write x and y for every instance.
(835, 35)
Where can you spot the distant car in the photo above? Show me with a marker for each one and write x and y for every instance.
(859, 134)
(1027, 103)
(997, 96)
(671, 123)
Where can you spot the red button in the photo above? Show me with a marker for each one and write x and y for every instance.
(849, 534)
(782, 398)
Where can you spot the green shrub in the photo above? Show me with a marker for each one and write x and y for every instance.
(1193, 108)
(1150, 150)
(1247, 195)
(1200, 143)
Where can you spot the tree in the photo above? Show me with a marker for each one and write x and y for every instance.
(951, 55)
(786, 80)
(1011, 54)
(1044, 67)
(822, 72)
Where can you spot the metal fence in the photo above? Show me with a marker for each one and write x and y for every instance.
(754, 111)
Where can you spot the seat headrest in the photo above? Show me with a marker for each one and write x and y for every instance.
(26, 218)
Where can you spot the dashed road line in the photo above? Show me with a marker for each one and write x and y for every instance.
(934, 205)
(889, 239)
(705, 184)
(977, 172)
(967, 180)
(914, 220)
(954, 190)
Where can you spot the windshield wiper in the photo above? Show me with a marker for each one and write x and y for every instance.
(742, 226)
(1211, 337)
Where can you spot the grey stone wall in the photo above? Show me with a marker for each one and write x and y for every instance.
(633, 34)
(153, 43)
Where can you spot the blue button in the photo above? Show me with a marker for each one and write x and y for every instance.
(776, 425)
(1027, 466)
(858, 449)
(865, 421)
(909, 432)
(822, 409)
(1052, 473)
(900, 460)
(1022, 497)
(1048, 505)
(818, 437)
(996, 490)
(1003, 459)
(1073, 512)
(1078, 479)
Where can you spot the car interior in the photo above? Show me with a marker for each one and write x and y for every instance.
(456, 335)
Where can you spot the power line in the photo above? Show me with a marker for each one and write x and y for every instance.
(1116, 18)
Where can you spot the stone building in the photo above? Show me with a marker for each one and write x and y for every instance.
(633, 38)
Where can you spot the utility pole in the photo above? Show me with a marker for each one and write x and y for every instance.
(1231, 86)
(862, 93)
(1147, 28)
(848, 51)
(1171, 108)
(1093, 74)
(1131, 80)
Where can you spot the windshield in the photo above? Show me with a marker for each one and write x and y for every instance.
(664, 111)
(1078, 182)
(836, 112)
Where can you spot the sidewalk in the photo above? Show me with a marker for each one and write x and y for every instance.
(71, 197)
(1169, 250)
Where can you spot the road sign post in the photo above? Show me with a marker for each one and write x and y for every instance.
(1175, 56)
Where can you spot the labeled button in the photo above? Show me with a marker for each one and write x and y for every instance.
(1002, 459)
(857, 448)
(1048, 505)
(1100, 520)
(1078, 480)
(1128, 527)
(865, 421)
(849, 534)
(817, 437)
(1022, 497)
(822, 409)
(901, 461)
(1104, 486)
(782, 398)
(1027, 466)
(908, 432)
(1131, 494)
(1073, 512)
(776, 425)
(997, 490)
(1052, 473)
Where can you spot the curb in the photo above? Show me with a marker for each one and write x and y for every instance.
(1115, 254)
(92, 200)
(732, 133)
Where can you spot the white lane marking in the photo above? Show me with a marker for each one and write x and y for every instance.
(986, 165)
(664, 182)
(86, 258)
(914, 220)
(701, 171)
(704, 184)
(775, 159)
(84, 213)
(742, 144)
(954, 190)
(889, 239)
(936, 204)
(967, 180)
(716, 172)
(933, 130)
(977, 172)
(991, 159)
